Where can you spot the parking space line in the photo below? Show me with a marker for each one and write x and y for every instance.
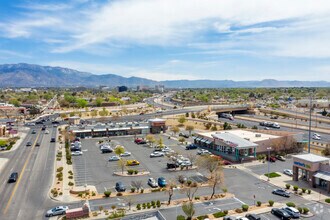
(265, 217)
(239, 200)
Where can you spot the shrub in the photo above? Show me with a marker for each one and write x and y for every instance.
(291, 204)
(238, 210)
(300, 193)
(142, 190)
(148, 205)
(245, 207)
(153, 203)
(138, 206)
(180, 217)
(189, 182)
(158, 203)
(305, 210)
(70, 177)
(309, 191)
(327, 200)
(70, 183)
(295, 188)
(130, 172)
(194, 184)
(107, 193)
(70, 172)
(287, 186)
(59, 175)
(136, 171)
(225, 211)
(93, 193)
(59, 169)
(119, 194)
(258, 203)
(197, 198)
(300, 209)
(219, 214)
(155, 190)
(144, 206)
(132, 190)
(271, 203)
(303, 190)
(80, 194)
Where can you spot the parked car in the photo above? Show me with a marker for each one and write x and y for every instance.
(140, 141)
(120, 187)
(157, 154)
(203, 152)
(281, 192)
(126, 154)
(13, 177)
(225, 162)
(271, 159)
(43, 128)
(152, 183)
(167, 149)
(293, 212)
(186, 163)
(106, 150)
(288, 172)
(229, 218)
(316, 137)
(114, 158)
(279, 157)
(252, 216)
(182, 179)
(172, 165)
(191, 147)
(281, 214)
(76, 153)
(241, 218)
(29, 143)
(132, 163)
(52, 139)
(162, 182)
(183, 135)
(59, 210)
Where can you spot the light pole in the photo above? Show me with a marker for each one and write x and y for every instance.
(268, 148)
(310, 122)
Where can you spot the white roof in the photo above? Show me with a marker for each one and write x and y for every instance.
(156, 120)
(311, 158)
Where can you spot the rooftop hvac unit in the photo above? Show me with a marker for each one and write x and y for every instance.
(258, 135)
(248, 139)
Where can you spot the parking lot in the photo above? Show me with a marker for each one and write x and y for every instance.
(93, 167)
(277, 166)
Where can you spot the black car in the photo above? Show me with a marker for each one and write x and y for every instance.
(37, 144)
(55, 122)
(43, 128)
(33, 132)
(281, 192)
(183, 135)
(120, 187)
(191, 147)
(229, 218)
(172, 165)
(13, 177)
(39, 122)
(252, 216)
(281, 214)
(106, 150)
(52, 139)
(28, 144)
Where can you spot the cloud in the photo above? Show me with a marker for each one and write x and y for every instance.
(160, 76)
(45, 7)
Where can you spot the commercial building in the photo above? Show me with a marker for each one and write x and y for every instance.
(313, 169)
(235, 145)
(118, 129)
(122, 88)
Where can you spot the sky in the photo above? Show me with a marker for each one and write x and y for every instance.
(172, 39)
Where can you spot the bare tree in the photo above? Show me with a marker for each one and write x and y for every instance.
(216, 180)
(190, 190)
(122, 164)
(137, 184)
(192, 158)
(175, 129)
(170, 191)
(151, 139)
(209, 163)
(129, 200)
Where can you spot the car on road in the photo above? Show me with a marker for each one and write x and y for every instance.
(46, 132)
(132, 163)
(37, 144)
(126, 154)
(120, 187)
(184, 135)
(203, 152)
(39, 123)
(152, 183)
(29, 143)
(114, 158)
(33, 132)
(281, 192)
(316, 137)
(162, 182)
(52, 139)
(225, 162)
(43, 128)
(288, 172)
(191, 147)
(279, 157)
(76, 153)
(252, 216)
(157, 154)
(59, 210)
(13, 177)
(293, 212)
(140, 141)
(281, 214)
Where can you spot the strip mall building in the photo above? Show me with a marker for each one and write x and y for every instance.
(313, 169)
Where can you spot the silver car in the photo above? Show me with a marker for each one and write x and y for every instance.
(59, 210)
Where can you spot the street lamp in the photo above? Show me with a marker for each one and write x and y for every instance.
(268, 148)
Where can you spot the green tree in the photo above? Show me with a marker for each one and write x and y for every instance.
(98, 101)
(188, 209)
(190, 128)
(151, 139)
(160, 142)
(182, 119)
(81, 103)
(182, 139)
(226, 126)
(14, 102)
(119, 150)
(175, 129)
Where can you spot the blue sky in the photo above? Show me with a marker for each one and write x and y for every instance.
(172, 39)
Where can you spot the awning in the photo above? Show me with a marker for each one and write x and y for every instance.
(203, 140)
(198, 139)
(208, 142)
(323, 176)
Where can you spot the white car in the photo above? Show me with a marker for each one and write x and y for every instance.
(166, 149)
(152, 183)
(126, 154)
(114, 158)
(316, 137)
(241, 218)
(316, 134)
(46, 132)
(186, 163)
(157, 154)
(203, 152)
(59, 210)
(76, 153)
(288, 172)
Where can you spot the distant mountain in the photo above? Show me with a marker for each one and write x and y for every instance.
(29, 75)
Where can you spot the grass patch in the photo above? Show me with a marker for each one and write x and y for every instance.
(272, 175)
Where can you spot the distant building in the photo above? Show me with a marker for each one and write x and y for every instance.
(159, 88)
(125, 98)
(104, 88)
(142, 88)
(122, 88)
(316, 103)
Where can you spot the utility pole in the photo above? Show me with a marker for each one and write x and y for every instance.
(310, 123)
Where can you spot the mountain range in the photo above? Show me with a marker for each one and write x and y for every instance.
(30, 75)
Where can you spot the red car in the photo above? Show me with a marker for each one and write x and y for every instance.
(140, 141)
(271, 159)
(225, 162)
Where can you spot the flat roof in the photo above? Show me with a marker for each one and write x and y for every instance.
(311, 158)
(247, 135)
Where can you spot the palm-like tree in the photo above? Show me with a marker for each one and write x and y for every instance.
(188, 209)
